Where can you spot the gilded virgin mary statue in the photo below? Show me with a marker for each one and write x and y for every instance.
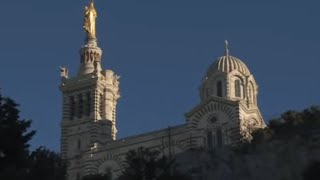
(90, 20)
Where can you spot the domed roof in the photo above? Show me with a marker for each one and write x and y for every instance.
(227, 64)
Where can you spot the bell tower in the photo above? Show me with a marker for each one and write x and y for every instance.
(89, 100)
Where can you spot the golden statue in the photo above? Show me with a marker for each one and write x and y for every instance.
(90, 20)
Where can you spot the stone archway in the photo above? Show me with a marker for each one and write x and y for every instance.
(110, 165)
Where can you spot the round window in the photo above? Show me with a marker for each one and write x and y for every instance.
(213, 119)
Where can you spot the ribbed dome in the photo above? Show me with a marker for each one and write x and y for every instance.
(227, 64)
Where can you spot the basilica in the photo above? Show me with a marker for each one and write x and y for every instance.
(227, 112)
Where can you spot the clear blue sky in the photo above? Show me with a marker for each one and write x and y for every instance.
(161, 50)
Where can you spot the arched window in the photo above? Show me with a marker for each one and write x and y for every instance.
(226, 138)
(250, 94)
(88, 104)
(210, 140)
(79, 144)
(101, 104)
(219, 89)
(219, 138)
(80, 106)
(237, 87)
(71, 107)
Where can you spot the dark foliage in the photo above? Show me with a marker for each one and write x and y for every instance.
(14, 137)
(301, 128)
(141, 164)
(97, 177)
(175, 176)
(146, 164)
(291, 124)
(16, 162)
(46, 164)
(261, 135)
(312, 172)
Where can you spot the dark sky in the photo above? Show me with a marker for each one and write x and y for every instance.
(161, 49)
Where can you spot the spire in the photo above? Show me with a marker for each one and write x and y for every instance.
(226, 47)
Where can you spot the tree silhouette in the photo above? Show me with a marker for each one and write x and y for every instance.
(14, 137)
(291, 124)
(46, 164)
(141, 164)
(97, 177)
(146, 164)
(312, 171)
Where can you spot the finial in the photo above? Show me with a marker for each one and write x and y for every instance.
(227, 47)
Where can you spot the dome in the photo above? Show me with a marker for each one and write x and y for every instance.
(227, 64)
(229, 78)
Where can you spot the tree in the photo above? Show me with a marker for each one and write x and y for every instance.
(14, 138)
(174, 176)
(46, 164)
(312, 171)
(141, 164)
(291, 124)
(146, 164)
(97, 177)
(261, 135)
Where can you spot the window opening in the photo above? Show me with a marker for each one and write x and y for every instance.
(219, 89)
(237, 88)
(88, 104)
(72, 107)
(209, 139)
(80, 107)
(219, 137)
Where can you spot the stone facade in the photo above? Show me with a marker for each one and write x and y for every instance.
(226, 115)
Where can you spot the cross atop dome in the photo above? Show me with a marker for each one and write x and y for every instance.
(226, 47)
